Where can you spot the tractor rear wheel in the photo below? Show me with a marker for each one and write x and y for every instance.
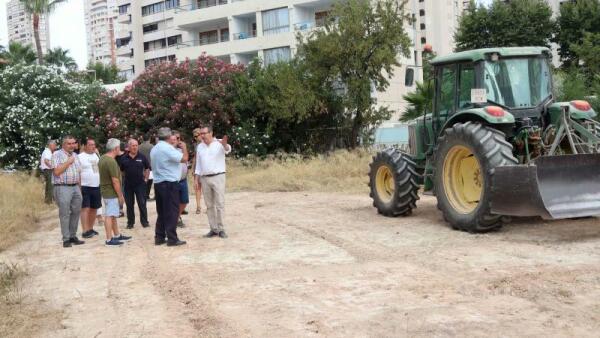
(465, 158)
(393, 180)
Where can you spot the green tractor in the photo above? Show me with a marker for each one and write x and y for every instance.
(496, 145)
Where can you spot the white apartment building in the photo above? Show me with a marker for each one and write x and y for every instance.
(237, 31)
(100, 20)
(20, 26)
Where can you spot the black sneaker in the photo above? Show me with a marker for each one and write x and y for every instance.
(159, 241)
(76, 241)
(210, 234)
(122, 238)
(177, 243)
(222, 234)
(95, 232)
(88, 234)
(129, 226)
(180, 223)
(145, 225)
(66, 244)
(113, 241)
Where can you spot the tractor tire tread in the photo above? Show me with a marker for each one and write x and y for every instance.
(496, 151)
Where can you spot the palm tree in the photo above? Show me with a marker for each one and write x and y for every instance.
(36, 8)
(420, 101)
(60, 58)
(18, 53)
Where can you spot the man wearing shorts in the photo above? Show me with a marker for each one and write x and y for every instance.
(110, 187)
(90, 188)
(184, 194)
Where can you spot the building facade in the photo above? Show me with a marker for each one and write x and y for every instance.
(20, 26)
(100, 20)
(237, 31)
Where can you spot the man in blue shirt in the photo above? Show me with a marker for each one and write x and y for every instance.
(167, 174)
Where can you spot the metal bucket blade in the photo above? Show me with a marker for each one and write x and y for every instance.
(553, 187)
(570, 184)
(515, 192)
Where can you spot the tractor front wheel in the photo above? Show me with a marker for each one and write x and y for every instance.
(393, 180)
(465, 158)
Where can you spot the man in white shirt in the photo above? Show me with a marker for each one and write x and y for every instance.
(210, 170)
(90, 188)
(46, 167)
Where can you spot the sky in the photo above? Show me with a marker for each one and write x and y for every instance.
(67, 28)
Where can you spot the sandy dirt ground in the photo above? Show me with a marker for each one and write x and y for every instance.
(317, 264)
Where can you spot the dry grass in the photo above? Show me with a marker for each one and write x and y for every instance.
(21, 206)
(342, 171)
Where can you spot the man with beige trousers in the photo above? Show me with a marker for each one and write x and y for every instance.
(210, 172)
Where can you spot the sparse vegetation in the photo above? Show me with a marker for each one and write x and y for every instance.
(21, 206)
(341, 171)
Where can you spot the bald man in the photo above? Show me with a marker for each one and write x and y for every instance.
(136, 169)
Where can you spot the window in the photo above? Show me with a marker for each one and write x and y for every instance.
(422, 26)
(123, 9)
(210, 3)
(173, 40)
(154, 45)
(224, 34)
(447, 86)
(150, 27)
(152, 9)
(209, 37)
(276, 21)
(409, 77)
(466, 80)
(123, 41)
(421, 12)
(169, 4)
(321, 18)
(275, 55)
(423, 41)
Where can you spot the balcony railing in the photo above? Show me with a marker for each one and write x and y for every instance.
(200, 4)
(200, 42)
(244, 35)
(303, 26)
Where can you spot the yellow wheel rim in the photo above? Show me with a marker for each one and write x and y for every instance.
(384, 183)
(463, 182)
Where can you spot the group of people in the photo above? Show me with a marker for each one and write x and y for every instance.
(82, 184)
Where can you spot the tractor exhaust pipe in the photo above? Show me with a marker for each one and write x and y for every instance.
(553, 187)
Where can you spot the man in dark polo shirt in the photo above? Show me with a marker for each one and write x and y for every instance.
(136, 169)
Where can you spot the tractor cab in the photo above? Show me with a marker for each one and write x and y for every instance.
(488, 83)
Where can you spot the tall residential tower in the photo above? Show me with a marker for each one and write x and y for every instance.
(20, 26)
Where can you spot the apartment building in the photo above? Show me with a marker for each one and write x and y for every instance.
(100, 20)
(20, 26)
(237, 31)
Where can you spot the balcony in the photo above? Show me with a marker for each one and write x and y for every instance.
(124, 18)
(125, 50)
(244, 35)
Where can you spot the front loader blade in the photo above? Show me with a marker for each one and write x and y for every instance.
(552, 187)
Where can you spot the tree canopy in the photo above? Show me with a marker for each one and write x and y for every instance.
(60, 58)
(505, 24)
(356, 52)
(577, 22)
